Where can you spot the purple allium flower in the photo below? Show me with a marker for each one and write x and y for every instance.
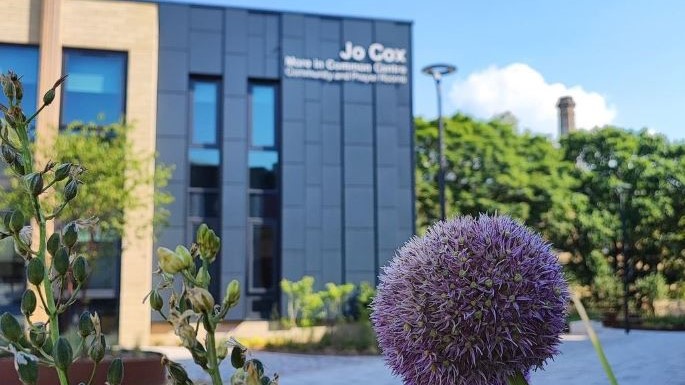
(471, 302)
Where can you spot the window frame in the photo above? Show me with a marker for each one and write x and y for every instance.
(275, 222)
(124, 80)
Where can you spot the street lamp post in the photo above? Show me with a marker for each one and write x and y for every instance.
(437, 71)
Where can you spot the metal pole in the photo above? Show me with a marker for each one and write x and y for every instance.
(626, 259)
(441, 152)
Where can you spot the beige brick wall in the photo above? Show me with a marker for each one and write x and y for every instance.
(120, 26)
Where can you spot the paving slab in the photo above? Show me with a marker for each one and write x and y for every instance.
(641, 357)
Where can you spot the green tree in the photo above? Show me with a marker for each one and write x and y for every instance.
(493, 168)
(631, 178)
(109, 187)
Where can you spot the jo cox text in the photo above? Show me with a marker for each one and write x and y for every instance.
(376, 52)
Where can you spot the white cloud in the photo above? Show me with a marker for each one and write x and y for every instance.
(523, 91)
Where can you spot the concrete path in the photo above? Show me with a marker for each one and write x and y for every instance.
(642, 357)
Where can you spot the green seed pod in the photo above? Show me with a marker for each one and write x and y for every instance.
(222, 351)
(49, 96)
(34, 182)
(26, 366)
(70, 190)
(170, 262)
(38, 334)
(8, 89)
(10, 328)
(96, 352)
(70, 234)
(62, 171)
(62, 353)
(202, 278)
(18, 165)
(200, 299)
(156, 301)
(199, 355)
(232, 295)
(239, 377)
(178, 375)
(237, 357)
(184, 254)
(8, 154)
(85, 325)
(115, 373)
(17, 221)
(28, 302)
(208, 242)
(79, 269)
(265, 380)
(255, 366)
(35, 271)
(60, 262)
(53, 244)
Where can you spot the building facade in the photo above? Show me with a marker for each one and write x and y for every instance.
(291, 134)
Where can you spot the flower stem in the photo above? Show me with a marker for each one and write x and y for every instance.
(212, 360)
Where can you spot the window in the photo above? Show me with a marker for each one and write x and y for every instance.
(23, 60)
(95, 91)
(204, 158)
(264, 197)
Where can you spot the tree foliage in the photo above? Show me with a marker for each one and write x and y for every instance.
(576, 193)
(111, 182)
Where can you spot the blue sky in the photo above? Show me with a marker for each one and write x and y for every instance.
(623, 61)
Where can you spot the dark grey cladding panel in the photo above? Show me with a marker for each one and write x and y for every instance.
(331, 185)
(312, 251)
(358, 93)
(173, 70)
(314, 163)
(361, 276)
(404, 200)
(358, 165)
(178, 212)
(206, 19)
(293, 264)
(330, 102)
(358, 31)
(359, 207)
(359, 250)
(236, 27)
(314, 206)
(386, 104)
(235, 162)
(293, 229)
(387, 186)
(293, 143)
(174, 24)
(235, 118)
(404, 126)
(312, 90)
(206, 56)
(172, 108)
(405, 167)
(169, 149)
(235, 250)
(331, 143)
(387, 143)
(358, 126)
(293, 99)
(234, 205)
(235, 74)
(330, 29)
(293, 46)
(272, 46)
(331, 269)
(312, 38)
(312, 120)
(387, 228)
(256, 64)
(293, 25)
(332, 233)
(294, 187)
(256, 24)
(385, 255)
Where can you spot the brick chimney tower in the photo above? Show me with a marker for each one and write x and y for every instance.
(567, 117)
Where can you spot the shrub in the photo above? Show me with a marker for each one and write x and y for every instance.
(650, 288)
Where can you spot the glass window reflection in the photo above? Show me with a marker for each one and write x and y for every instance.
(95, 89)
(263, 115)
(23, 60)
(263, 169)
(205, 111)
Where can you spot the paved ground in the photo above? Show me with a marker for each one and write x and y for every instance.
(642, 357)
